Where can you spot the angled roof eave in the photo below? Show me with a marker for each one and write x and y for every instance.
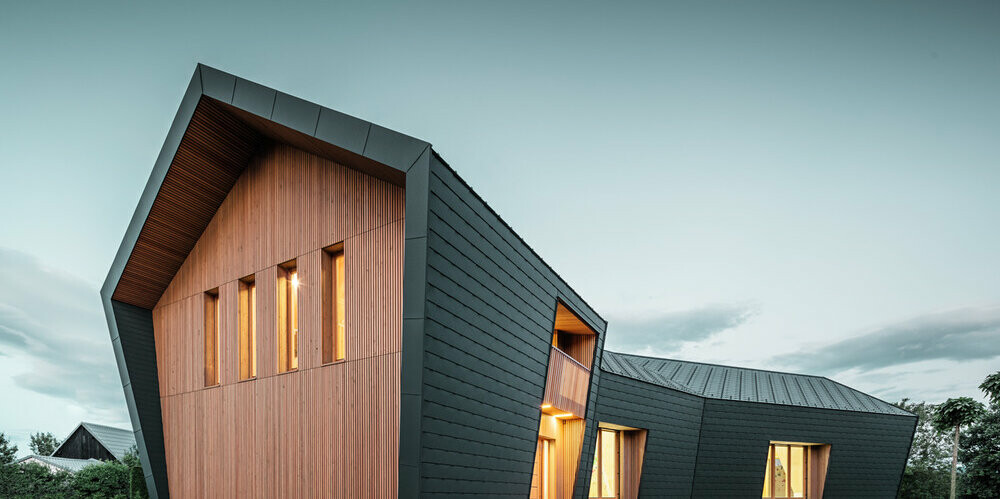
(387, 153)
(67, 439)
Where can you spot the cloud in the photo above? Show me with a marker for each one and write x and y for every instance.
(667, 332)
(54, 322)
(957, 335)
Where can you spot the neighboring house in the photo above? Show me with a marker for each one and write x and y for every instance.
(95, 441)
(306, 304)
(56, 464)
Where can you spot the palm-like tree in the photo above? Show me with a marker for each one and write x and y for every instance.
(991, 386)
(955, 413)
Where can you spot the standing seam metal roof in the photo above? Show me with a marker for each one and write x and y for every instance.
(116, 440)
(743, 384)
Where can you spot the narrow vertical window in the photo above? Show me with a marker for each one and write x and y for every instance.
(334, 304)
(248, 328)
(212, 337)
(288, 317)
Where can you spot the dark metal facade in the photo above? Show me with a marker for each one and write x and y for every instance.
(702, 447)
(476, 339)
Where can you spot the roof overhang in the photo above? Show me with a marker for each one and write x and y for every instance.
(222, 121)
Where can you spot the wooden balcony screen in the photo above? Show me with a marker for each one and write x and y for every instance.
(566, 383)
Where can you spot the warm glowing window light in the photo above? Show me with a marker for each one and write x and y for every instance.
(288, 317)
(334, 304)
(247, 311)
(787, 472)
(546, 406)
(211, 333)
(604, 475)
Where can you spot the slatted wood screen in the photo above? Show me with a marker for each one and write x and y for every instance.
(566, 384)
(324, 430)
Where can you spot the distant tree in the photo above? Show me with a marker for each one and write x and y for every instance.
(8, 451)
(931, 447)
(926, 473)
(956, 413)
(991, 386)
(981, 456)
(43, 444)
(981, 451)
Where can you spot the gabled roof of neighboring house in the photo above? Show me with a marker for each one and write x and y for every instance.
(743, 384)
(63, 463)
(117, 441)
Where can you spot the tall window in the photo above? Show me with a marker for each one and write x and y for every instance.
(288, 317)
(212, 337)
(334, 304)
(787, 472)
(248, 327)
(604, 477)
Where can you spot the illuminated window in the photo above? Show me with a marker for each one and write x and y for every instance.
(288, 317)
(787, 473)
(211, 337)
(248, 327)
(604, 476)
(334, 304)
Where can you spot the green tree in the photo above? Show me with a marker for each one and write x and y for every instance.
(981, 456)
(105, 480)
(955, 413)
(137, 480)
(8, 451)
(981, 451)
(991, 386)
(43, 444)
(926, 473)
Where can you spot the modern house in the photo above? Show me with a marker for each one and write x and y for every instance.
(306, 304)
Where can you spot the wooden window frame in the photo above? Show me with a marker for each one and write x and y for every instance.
(247, 312)
(769, 471)
(211, 337)
(334, 303)
(287, 317)
(599, 460)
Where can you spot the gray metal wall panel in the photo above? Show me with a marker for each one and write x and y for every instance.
(134, 328)
(673, 421)
(868, 451)
(490, 305)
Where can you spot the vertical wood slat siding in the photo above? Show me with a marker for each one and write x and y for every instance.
(570, 444)
(633, 446)
(566, 384)
(308, 432)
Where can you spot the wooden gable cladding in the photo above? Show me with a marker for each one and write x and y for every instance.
(301, 433)
(211, 156)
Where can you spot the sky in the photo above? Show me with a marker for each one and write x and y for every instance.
(780, 185)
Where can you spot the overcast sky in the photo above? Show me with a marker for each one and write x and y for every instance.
(769, 184)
